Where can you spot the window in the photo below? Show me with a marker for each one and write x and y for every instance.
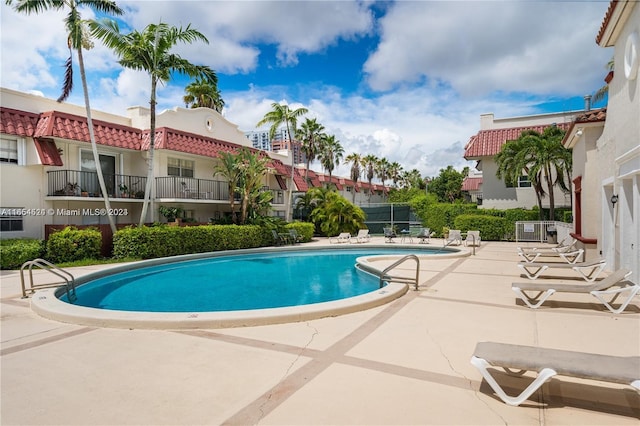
(178, 167)
(11, 219)
(524, 182)
(349, 188)
(9, 150)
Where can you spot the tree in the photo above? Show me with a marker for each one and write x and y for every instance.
(252, 167)
(276, 117)
(541, 157)
(602, 92)
(395, 172)
(382, 169)
(77, 38)
(331, 152)
(448, 185)
(369, 163)
(309, 135)
(412, 179)
(203, 93)
(227, 168)
(356, 163)
(150, 51)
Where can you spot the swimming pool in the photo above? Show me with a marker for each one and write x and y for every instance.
(226, 289)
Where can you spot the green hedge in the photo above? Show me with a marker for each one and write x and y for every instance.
(72, 244)
(304, 229)
(491, 228)
(14, 252)
(162, 241)
(442, 215)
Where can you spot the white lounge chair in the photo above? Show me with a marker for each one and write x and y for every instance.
(612, 286)
(589, 271)
(568, 256)
(343, 237)
(551, 362)
(473, 239)
(362, 237)
(568, 243)
(454, 237)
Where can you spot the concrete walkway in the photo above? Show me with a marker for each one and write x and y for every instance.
(403, 363)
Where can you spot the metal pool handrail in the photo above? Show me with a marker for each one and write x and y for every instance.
(69, 279)
(385, 277)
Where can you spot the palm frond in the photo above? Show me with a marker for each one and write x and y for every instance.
(67, 86)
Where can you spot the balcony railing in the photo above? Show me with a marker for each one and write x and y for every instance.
(191, 188)
(74, 183)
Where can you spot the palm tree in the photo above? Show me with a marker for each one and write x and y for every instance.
(77, 39)
(150, 51)
(252, 168)
(309, 136)
(330, 154)
(382, 169)
(356, 162)
(277, 116)
(395, 171)
(602, 92)
(369, 163)
(204, 93)
(227, 168)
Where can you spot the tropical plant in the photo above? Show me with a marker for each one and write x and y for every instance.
(252, 167)
(309, 135)
(150, 51)
(369, 163)
(335, 214)
(282, 114)
(602, 92)
(331, 152)
(395, 172)
(77, 39)
(382, 169)
(203, 93)
(412, 179)
(227, 168)
(541, 157)
(356, 163)
(171, 212)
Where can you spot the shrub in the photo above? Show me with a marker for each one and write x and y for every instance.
(161, 241)
(442, 215)
(72, 244)
(491, 228)
(304, 229)
(14, 252)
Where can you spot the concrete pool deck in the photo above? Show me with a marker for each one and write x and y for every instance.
(406, 362)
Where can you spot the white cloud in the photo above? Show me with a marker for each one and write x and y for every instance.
(482, 47)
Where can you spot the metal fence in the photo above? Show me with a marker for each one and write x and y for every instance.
(542, 231)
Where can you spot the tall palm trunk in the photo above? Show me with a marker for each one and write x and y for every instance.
(152, 139)
(94, 146)
(293, 162)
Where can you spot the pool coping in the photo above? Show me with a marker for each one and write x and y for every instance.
(45, 302)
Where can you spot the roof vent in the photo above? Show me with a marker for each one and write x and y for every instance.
(587, 102)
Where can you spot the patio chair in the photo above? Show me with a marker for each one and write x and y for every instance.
(362, 236)
(277, 238)
(589, 271)
(614, 285)
(343, 237)
(389, 235)
(424, 236)
(473, 239)
(455, 236)
(568, 256)
(550, 362)
(294, 236)
(568, 243)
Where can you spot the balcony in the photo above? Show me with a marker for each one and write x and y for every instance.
(191, 188)
(74, 183)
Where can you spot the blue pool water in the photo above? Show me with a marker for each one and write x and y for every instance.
(236, 282)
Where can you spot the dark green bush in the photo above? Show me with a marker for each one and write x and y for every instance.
(14, 252)
(442, 215)
(72, 244)
(304, 229)
(161, 241)
(491, 227)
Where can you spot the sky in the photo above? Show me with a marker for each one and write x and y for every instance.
(404, 80)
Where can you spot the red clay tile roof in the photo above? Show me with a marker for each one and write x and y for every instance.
(488, 143)
(592, 116)
(19, 123)
(73, 127)
(605, 21)
(471, 183)
(48, 152)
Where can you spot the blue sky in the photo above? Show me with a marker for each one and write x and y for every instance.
(402, 80)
